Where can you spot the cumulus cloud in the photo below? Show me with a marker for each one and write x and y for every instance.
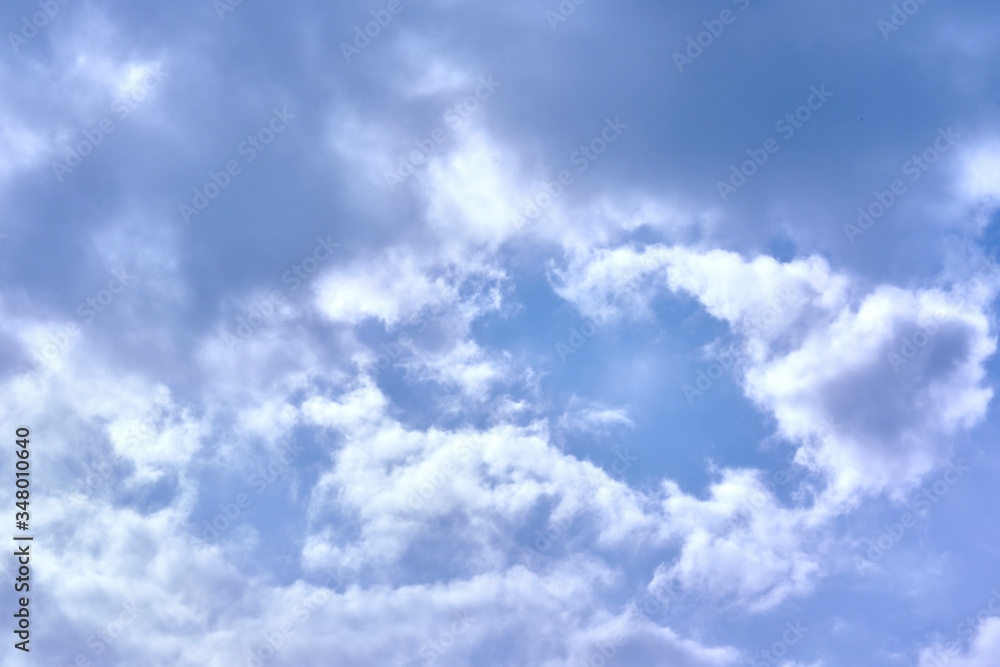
(391, 289)
(983, 650)
(741, 545)
(909, 362)
(455, 494)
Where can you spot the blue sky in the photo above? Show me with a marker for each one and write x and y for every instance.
(552, 334)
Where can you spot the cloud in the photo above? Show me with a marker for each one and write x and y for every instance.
(594, 418)
(741, 545)
(983, 650)
(392, 289)
(909, 362)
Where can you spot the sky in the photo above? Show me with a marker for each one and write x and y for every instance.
(558, 334)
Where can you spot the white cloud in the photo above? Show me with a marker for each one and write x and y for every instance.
(594, 418)
(740, 544)
(470, 193)
(395, 483)
(980, 180)
(466, 366)
(892, 404)
(983, 651)
(391, 288)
